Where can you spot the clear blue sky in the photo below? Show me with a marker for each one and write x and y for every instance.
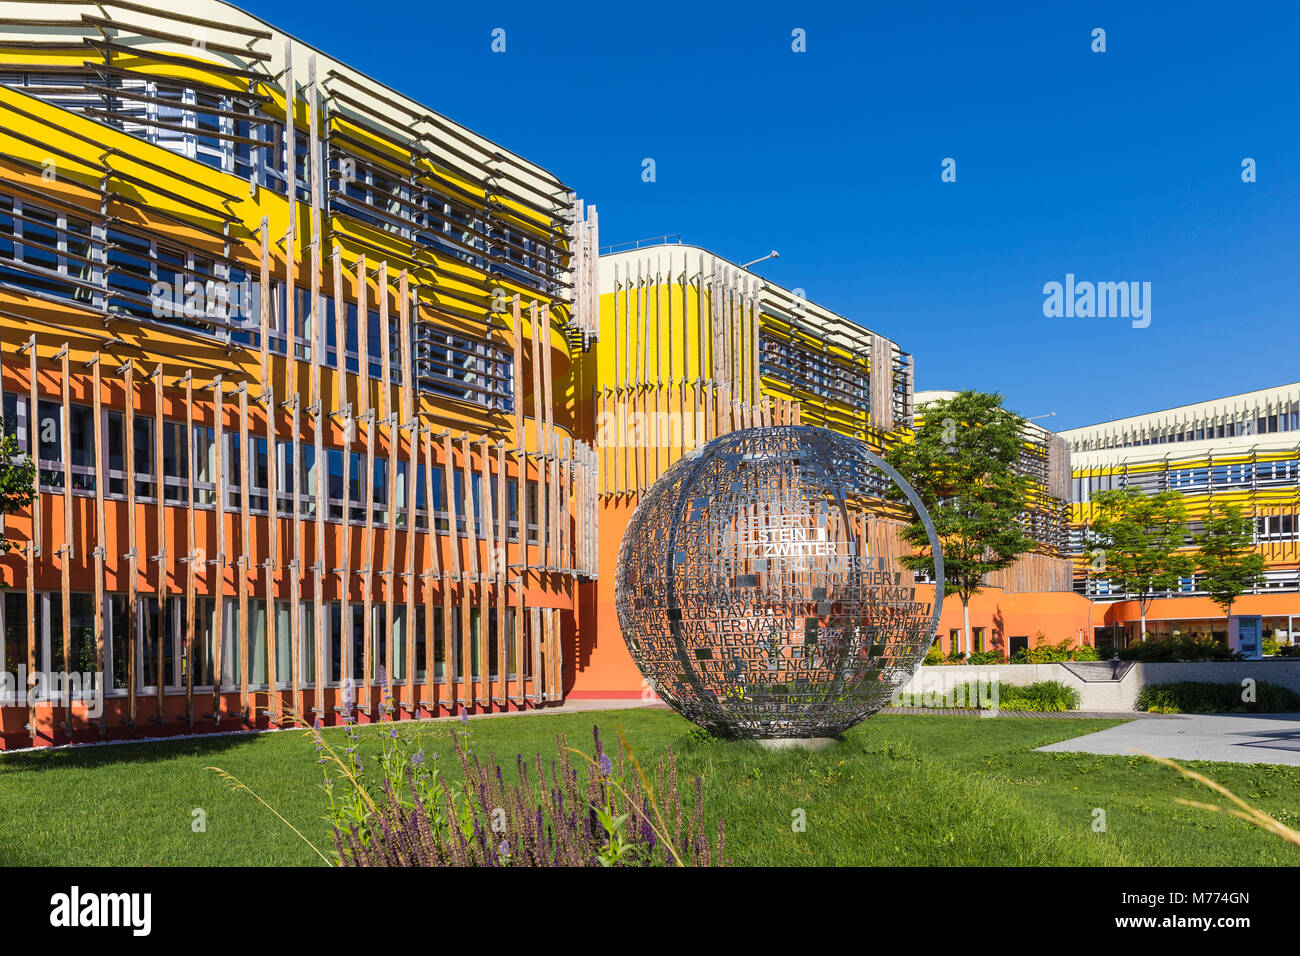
(1117, 166)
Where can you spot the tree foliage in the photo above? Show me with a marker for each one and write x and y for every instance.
(1230, 566)
(962, 462)
(17, 480)
(1138, 537)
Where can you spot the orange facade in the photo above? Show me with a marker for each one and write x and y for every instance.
(493, 613)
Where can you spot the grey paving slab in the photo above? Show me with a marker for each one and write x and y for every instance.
(1229, 738)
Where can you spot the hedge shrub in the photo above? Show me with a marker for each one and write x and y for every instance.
(1047, 695)
(1179, 649)
(1210, 697)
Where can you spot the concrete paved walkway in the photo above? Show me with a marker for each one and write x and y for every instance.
(1049, 714)
(1230, 738)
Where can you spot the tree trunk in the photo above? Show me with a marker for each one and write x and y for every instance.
(1144, 623)
(965, 625)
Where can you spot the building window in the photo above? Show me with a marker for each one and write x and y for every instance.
(463, 367)
(47, 251)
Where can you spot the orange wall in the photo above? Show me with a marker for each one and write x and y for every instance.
(1059, 615)
(1197, 608)
(603, 668)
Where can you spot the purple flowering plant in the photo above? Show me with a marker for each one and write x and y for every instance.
(399, 809)
(618, 818)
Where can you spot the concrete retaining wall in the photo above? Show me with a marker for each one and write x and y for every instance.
(1105, 695)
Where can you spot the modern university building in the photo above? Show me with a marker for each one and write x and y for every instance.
(1243, 450)
(295, 357)
(337, 408)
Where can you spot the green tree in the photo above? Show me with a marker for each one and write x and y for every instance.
(1230, 566)
(1135, 540)
(962, 461)
(17, 481)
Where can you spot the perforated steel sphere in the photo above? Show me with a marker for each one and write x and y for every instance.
(759, 589)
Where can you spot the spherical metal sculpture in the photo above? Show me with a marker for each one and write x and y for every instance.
(758, 586)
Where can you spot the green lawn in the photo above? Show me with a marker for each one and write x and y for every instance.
(900, 790)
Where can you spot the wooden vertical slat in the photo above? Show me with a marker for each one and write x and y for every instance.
(433, 572)
(489, 572)
(407, 316)
(412, 474)
(295, 481)
(273, 546)
(465, 673)
(622, 455)
(34, 449)
(563, 448)
(451, 672)
(363, 341)
(295, 565)
(385, 347)
(34, 544)
(390, 547)
(101, 536)
(448, 662)
(552, 658)
(602, 400)
(691, 370)
(521, 696)
(488, 509)
(715, 357)
(617, 343)
(218, 588)
(721, 317)
(670, 378)
(538, 417)
(191, 547)
(264, 297)
(639, 385)
(503, 537)
(132, 555)
(638, 348)
(244, 564)
(728, 306)
(449, 496)
(521, 486)
(367, 579)
(756, 336)
(32, 635)
(435, 557)
(340, 342)
(535, 640)
(471, 534)
(483, 686)
(160, 521)
(657, 420)
(319, 627)
(521, 456)
(346, 665)
(291, 235)
(705, 378)
(549, 408)
(318, 337)
(467, 490)
(68, 551)
(742, 356)
(577, 478)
